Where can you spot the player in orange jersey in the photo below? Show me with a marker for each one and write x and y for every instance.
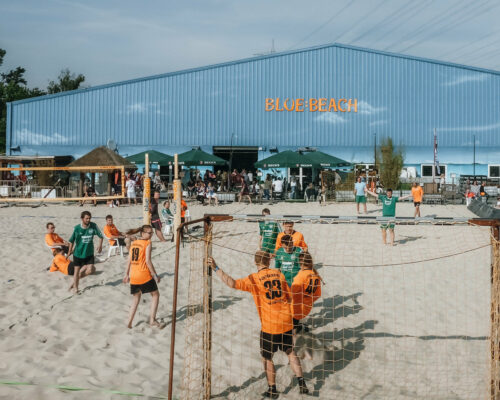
(142, 274)
(273, 299)
(306, 289)
(298, 238)
(62, 264)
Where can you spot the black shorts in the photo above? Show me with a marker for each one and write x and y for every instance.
(71, 268)
(416, 203)
(156, 224)
(121, 242)
(80, 262)
(148, 287)
(270, 343)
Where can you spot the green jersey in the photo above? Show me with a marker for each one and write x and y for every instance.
(269, 232)
(288, 263)
(388, 205)
(83, 240)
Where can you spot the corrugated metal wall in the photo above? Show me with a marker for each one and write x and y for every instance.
(400, 97)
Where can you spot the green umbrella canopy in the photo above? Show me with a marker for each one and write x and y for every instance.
(198, 157)
(326, 160)
(287, 159)
(154, 157)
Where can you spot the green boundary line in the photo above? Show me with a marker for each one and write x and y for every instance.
(79, 389)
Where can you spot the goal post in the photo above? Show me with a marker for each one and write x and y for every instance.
(25, 191)
(414, 318)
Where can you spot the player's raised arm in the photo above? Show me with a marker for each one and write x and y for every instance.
(222, 275)
(371, 193)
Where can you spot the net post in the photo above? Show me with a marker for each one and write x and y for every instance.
(146, 196)
(495, 313)
(207, 311)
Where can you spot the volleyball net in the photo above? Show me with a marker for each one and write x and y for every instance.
(414, 320)
(56, 184)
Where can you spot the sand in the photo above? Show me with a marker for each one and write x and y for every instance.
(403, 331)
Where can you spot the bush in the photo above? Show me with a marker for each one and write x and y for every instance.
(391, 164)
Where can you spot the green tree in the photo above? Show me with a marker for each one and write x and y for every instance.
(390, 161)
(66, 81)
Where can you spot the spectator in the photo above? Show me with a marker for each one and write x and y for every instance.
(201, 192)
(211, 194)
(293, 187)
(155, 215)
(244, 192)
(268, 186)
(278, 187)
(130, 185)
(54, 241)
(157, 181)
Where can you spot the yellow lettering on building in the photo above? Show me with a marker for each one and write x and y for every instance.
(352, 104)
(269, 104)
(278, 105)
(299, 105)
(332, 105)
(285, 104)
(340, 102)
(322, 104)
(313, 105)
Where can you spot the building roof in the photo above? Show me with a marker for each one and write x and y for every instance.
(102, 157)
(251, 59)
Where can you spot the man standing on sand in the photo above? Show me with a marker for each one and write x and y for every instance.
(82, 245)
(360, 193)
(269, 231)
(418, 194)
(273, 300)
(298, 238)
(287, 259)
(388, 210)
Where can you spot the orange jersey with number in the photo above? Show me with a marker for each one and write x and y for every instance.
(306, 289)
(60, 263)
(298, 240)
(139, 271)
(272, 298)
(184, 207)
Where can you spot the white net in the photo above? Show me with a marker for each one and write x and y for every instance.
(393, 322)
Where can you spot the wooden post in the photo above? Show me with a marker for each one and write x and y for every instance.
(146, 194)
(207, 311)
(177, 198)
(495, 314)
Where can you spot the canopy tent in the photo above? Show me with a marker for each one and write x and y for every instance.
(161, 159)
(287, 159)
(198, 157)
(326, 160)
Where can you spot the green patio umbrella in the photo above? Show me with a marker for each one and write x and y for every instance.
(198, 157)
(326, 160)
(154, 157)
(287, 159)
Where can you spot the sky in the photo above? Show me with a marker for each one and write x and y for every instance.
(114, 40)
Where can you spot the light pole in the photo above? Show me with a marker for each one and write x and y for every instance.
(474, 156)
(230, 161)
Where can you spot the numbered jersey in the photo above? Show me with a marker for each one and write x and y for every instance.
(139, 271)
(272, 298)
(306, 289)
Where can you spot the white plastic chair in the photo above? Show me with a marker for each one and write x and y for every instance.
(167, 225)
(116, 247)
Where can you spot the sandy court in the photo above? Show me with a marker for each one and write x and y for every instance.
(414, 329)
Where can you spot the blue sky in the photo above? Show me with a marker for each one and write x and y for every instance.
(111, 40)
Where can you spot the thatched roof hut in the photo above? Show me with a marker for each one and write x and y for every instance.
(101, 157)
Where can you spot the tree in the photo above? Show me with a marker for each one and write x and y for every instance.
(66, 81)
(391, 164)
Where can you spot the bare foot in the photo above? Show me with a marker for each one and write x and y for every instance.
(129, 326)
(71, 287)
(155, 323)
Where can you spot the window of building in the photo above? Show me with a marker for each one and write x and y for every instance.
(494, 171)
(426, 170)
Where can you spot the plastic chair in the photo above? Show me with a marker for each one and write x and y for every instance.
(115, 247)
(167, 225)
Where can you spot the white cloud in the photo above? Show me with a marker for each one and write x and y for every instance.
(366, 108)
(36, 139)
(331, 118)
(136, 108)
(379, 122)
(467, 78)
(477, 128)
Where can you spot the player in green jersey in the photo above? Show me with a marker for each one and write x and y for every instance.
(287, 259)
(268, 233)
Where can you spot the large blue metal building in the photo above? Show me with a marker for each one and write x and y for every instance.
(339, 99)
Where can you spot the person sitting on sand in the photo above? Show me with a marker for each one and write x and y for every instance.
(54, 241)
(62, 264)
(142, 274)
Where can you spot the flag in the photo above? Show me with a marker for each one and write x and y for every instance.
(436, 162)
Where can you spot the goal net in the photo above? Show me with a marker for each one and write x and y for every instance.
(393, 322)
